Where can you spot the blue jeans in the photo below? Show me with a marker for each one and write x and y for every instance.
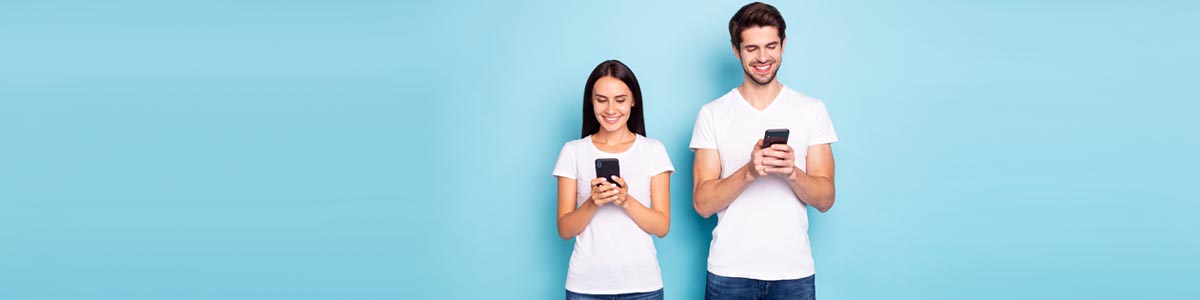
(655, 295)
(733, 288)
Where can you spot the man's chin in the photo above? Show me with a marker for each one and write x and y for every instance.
(760, 80)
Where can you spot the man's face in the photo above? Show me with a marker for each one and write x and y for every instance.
(761, 52)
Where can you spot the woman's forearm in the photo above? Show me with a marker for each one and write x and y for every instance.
(573, 223)
(650, 220)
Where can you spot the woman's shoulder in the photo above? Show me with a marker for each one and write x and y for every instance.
(653, 144)
(576, 143)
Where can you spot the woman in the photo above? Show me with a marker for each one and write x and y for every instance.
(614, 256)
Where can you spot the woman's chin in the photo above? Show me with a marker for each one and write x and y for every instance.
(611, 128)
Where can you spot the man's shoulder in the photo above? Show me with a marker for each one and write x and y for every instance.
(799, 98)
(722, 103)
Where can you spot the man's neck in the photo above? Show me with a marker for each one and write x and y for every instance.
(759, 96)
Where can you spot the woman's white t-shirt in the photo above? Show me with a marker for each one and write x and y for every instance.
(613, 255)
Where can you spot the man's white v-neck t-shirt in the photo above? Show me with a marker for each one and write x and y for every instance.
(763, 233)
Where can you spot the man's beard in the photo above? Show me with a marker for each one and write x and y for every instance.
(755, 78)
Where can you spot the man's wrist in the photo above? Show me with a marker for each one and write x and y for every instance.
(748, 169)
(796, 175)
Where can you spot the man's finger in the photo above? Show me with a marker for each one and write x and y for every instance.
(780, 170)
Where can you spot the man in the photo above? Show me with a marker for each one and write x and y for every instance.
(760, 247)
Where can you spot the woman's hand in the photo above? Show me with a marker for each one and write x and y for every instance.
(603, 192)
(622, 192)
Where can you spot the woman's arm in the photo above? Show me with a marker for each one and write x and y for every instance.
(572, 220)
(656, 219)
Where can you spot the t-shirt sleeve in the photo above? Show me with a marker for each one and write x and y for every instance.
(822, 128)
(662, 161)
(566, 166)
(704, 135)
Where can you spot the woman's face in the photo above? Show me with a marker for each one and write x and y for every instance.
(612, 101)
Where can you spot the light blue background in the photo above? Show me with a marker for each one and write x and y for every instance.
(402, 150)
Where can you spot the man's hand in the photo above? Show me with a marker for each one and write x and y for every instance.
(779, 159)
(757, 164)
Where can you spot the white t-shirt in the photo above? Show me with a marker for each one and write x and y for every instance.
(613, 255)
(763, 234)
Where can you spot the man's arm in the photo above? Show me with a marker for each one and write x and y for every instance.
(713, 194)
(815, 188)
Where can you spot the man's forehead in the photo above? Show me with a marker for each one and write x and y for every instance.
(760, 35)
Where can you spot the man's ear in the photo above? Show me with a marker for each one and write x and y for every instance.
(782, 46)
(736, 53)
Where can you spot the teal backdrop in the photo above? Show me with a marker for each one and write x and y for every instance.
(403, 149)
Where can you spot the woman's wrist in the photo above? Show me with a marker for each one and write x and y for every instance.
(628, 202)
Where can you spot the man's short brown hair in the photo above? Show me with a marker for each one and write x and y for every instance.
(755, 14)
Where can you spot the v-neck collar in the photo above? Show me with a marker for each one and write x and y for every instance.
(773, 103)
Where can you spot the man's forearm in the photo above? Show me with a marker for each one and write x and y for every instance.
(715, 195)
(815, 191)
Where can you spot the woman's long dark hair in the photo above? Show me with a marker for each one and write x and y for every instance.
(620, 71)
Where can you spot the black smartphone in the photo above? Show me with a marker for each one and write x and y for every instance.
(608, 167)
(775, 136)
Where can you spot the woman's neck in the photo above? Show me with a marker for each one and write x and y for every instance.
(614, 138)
